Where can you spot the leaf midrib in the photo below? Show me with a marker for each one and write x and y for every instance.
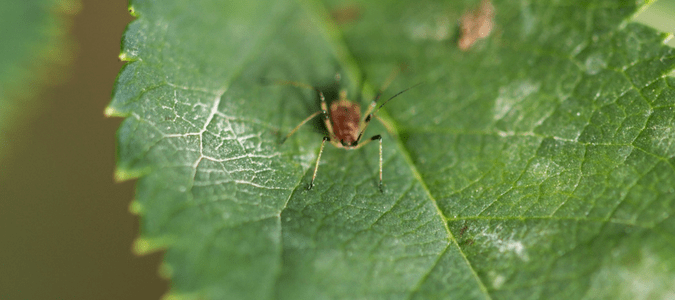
(349, 63)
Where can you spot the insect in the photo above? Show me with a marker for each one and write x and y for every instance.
(343, 121)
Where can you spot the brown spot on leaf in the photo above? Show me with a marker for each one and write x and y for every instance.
(476, 25)
(461, 231)
(346, 14)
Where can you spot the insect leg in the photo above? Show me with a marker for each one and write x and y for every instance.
(326, 117)
(300, 125)
(379, 137)
(318, 158)
(324, 106)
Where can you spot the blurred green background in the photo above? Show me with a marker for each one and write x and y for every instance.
(660, 15)
(65, 229)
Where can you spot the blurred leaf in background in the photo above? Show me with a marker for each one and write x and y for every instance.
(660, 15)
(35, 51)
(538, 163)
(65, 228)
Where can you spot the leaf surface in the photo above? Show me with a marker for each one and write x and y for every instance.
(536, 164)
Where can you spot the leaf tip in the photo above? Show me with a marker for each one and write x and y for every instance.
(141, 246)
(122, 175)
(144, 245)
(135, 207)
(132, 11)
(165, 271)
(174, 296)
(111, 112)
(125, 57)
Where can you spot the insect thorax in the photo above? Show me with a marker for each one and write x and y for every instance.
(345, 117)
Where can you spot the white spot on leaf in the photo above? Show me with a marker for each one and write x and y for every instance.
(595, 63)
(505, 245)
(438, 31)
(511, 95)
(640, 277)
(498, 281)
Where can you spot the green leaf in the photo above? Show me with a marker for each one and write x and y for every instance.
(539, 163)
(659, 16)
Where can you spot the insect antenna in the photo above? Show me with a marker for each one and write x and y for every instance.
(394, 96)
(370, 115)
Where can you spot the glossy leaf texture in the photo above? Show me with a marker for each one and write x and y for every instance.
(537, 164)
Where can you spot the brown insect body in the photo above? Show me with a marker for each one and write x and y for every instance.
(345, 117)
(343, 122)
